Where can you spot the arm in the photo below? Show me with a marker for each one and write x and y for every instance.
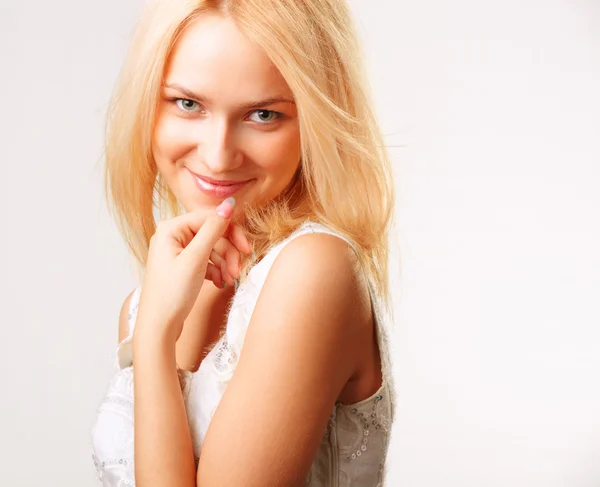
(163, 446)
(209, 309)
(300, 350)
(177, 266)
(159, 409)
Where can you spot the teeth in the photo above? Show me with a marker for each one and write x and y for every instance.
(205, 185)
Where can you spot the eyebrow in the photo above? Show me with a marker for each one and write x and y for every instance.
(253, 104)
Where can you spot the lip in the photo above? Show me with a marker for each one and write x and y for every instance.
(218, 188)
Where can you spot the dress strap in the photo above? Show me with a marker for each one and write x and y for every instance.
(133, 309)
(305, 229)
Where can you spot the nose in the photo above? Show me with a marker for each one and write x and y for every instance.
(217, 146)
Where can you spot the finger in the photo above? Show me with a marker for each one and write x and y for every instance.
(232, 262)
(226, 275)
(213, 273)
(223, 245)
(182, 228)
(225, 250)
(237, 236)
(199, 249)
(216, 259)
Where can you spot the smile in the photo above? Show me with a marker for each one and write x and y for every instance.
(216, 188)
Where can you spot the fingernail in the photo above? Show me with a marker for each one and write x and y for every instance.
(225, 209)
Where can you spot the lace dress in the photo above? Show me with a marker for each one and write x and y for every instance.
(353, 448)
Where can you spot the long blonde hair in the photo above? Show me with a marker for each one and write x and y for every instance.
(345, 179)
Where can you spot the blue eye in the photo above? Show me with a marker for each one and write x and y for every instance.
(185, 104)
(265, 116)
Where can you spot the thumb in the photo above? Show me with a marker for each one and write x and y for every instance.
(198, 250)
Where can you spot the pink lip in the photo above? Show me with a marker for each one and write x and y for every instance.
(217, 188)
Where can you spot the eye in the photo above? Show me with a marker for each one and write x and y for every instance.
(264, 116)
(186, 105)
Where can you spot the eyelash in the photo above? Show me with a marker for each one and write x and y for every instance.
(277, 115)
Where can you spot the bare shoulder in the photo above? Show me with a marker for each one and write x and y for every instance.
(325, 263)
(317, 277)
(325, 249)
(124, 317)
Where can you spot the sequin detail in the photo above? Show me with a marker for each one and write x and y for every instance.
(122, 401)
(225, 357)
(370, 422)
(114, 472)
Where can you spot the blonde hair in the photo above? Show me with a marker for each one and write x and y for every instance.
(345, 179)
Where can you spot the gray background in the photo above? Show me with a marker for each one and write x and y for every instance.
(492, 109)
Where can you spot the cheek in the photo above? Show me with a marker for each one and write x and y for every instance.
(168, 141)
(279, 155)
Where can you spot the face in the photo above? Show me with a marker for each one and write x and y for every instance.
(227, 123)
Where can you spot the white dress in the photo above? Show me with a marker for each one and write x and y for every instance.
(354, 445)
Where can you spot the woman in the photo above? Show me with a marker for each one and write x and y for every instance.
(257, 335)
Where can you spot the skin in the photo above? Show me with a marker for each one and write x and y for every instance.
(215, 134)
(321, 331)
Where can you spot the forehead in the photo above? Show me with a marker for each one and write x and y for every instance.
(214, 58)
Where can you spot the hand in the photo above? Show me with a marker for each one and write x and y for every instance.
(178, 263)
